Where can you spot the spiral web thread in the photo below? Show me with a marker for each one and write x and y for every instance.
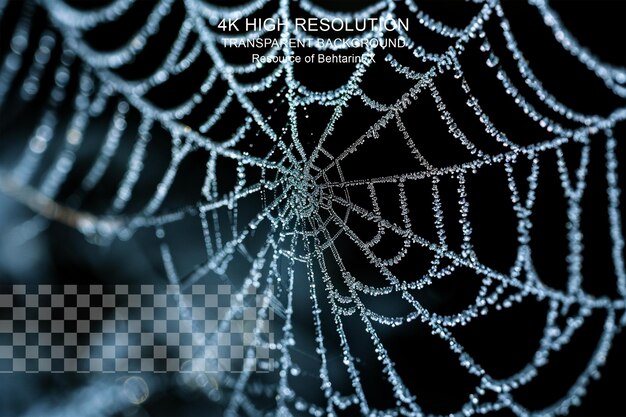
(305, 195)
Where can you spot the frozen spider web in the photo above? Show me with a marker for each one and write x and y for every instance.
(284, 203)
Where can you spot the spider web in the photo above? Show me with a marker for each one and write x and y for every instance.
(284, 203)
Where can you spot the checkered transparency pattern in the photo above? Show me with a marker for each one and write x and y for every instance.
(132, 328)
